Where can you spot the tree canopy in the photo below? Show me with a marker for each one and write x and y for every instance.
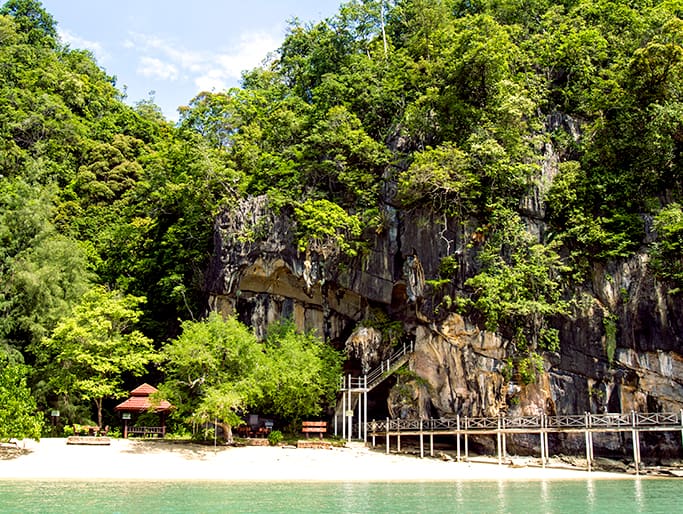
(453, 106)
(217, 369)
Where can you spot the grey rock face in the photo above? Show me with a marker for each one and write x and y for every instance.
(621, 347)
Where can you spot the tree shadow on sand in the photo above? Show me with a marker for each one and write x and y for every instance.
(188, 450)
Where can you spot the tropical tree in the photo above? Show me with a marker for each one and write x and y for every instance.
(19, 417)
(90, 350)
(303, 373)
(217, 369)
(213, 370)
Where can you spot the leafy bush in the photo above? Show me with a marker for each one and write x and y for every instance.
(275, 437)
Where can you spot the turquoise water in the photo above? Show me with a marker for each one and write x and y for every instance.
(622, 496)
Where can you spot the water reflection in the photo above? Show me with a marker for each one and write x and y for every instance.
(638, 493)
(545, 496)
(569, 496)
(590, 494)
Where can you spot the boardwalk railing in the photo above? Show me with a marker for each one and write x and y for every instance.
(502, 426)
(596, 422)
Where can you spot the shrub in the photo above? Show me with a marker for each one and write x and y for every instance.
(275, 437)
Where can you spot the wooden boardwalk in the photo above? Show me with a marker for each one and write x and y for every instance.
(542, 425)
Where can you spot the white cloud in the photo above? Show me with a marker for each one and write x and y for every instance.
(75, 41)
(156, 68)
(207, 70)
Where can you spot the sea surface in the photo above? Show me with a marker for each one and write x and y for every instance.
(568, 496)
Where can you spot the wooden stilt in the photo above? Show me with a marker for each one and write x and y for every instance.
(547, 447)
(387, 435)
(467, 454)
(588, 451)
(457, 436)
(498, 443)
(636, 450)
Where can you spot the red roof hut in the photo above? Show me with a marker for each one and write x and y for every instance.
(140, 402)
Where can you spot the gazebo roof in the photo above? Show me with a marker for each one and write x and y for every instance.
(139, 401)
(144, 390)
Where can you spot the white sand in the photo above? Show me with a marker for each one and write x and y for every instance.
(163, 460)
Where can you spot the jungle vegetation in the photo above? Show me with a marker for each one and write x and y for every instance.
(452, 104)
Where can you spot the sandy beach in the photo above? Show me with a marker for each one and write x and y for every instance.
(128, 459)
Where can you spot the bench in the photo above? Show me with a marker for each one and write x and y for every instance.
(146, 431)
(85, 429)
(314, 427)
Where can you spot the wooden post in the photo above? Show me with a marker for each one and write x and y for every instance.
(431, 443)
(635, 436)
(457, 436)
(350, 427)
(374, 431)
(544, 424)
(422, 446)
(343, 421)
(547, 445)
(467, 454)
(365, 398)
(588, 443)
(360, 416)
(498, 442)
(544, 449)
(387, 435)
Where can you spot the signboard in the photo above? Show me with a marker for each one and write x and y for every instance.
(54, 413)
(349, 413)
(125, 415)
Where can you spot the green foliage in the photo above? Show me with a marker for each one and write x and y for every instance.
(610, 325)
(392, 331)
(33, 20)
(325, 228)
(519, 284)
(19, 417)
(212, 370)
(90, 350)
(518, 289)
(42, 272)
(303, 373)
(275, 437)
(217, 369)
(443, 176)
(667, 251)
(441, 105)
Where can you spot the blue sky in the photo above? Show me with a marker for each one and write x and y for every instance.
(178, 48)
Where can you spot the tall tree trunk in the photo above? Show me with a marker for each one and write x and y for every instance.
(98, 404)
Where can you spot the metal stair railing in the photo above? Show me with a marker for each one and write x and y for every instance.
(388, 366)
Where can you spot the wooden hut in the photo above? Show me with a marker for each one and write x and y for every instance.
(140, 402)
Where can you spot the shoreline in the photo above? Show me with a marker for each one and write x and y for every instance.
(167, 460)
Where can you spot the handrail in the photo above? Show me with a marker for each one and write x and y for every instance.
(389, 365)
(606, 421)
(377, 375)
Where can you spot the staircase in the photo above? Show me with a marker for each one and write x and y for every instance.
(387, 367)
(353, 389)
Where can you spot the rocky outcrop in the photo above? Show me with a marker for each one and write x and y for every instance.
(620, 348)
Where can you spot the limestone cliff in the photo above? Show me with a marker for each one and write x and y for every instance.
(621, 347)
